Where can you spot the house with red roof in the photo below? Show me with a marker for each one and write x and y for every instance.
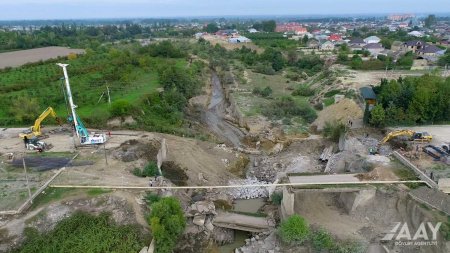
(335, 37)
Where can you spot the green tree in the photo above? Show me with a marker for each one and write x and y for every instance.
(269, 25)
(120, 107)
(294, 230)
(211, 28)
(430, 21)
(167, 222)
(334, 130)
(25, 110)
(377, 116)
(357, 62)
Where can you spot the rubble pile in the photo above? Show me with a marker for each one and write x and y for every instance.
(248, 192)
(264, 170)
(261, 243)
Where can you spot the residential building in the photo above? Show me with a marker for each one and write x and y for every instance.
(374, 48)
(327, 46)
(416, 34)
(372, 39)
(294, 27)
(413, 45)
(335, 37)
(430, 50)
(240, 39)
(252, 30)
(313, 43)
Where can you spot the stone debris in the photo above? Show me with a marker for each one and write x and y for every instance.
(261, 243)
(201, 207)
(248, 192)
(199, 220)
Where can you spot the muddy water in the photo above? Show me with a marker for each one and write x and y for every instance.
(213, 116)
(239, 241)
(248, 205)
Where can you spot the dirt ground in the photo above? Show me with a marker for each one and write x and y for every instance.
(213, 39)
(342, 111)
(367, 223)
(18, 58)
(358, 79)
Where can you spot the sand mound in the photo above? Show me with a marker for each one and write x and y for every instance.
(342, 111)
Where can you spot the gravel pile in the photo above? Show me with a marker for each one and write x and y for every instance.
(248, 192)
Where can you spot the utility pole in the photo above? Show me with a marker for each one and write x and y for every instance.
(26, 177)
(109, 97)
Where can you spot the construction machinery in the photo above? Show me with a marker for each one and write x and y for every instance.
(35, 130)
(80, 130)
(413, 136)
(35, 144)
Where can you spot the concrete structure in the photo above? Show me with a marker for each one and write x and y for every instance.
(444, 185)
(242, 222)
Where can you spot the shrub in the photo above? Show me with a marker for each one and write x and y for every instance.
(294, 230)
(150, 170)
(303, 90)
(120, 107)
(137, 172)
(83, 232)
(266, 92)
(264, 69)
(167, 222)
(286, 107)
(152, 198)
(322, 240)
(334, 130)
(277, 197)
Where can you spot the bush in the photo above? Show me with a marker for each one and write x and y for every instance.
(264, 69)
(152, 198)
(294, 230)
(83, 232)
(150, 170)
(286, 107)
(120, 108)
(334, 130)
(266, 92)
(167, 222)
(303, 90)
(137, 172)
(277, 197)
(322, 240)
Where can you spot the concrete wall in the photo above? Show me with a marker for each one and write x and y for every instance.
(287, 204)
(416, 170)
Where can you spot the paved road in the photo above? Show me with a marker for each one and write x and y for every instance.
(324, 179)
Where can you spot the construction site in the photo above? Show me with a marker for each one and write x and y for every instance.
(355, 188)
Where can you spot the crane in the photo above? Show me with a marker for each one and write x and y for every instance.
(80, 130)
(415, 136)
(35, 130)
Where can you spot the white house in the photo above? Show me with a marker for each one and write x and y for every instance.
(372, 39)
(416, 34)
(252, 30)
(240, 39)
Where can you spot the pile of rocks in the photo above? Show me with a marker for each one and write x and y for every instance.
(202, 213)
(264, 170)
(262, 243)
(248, 192)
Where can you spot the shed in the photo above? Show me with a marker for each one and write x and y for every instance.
(368, 95)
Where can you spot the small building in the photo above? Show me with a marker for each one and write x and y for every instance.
(313, 43)
(397, 46)
(252, 30)
(372, 39)
(430, 50)
(413, 45)
(327, 46)
(416, 34)
(374, 48)
(369, 96)
(357, 41)
(240, 39)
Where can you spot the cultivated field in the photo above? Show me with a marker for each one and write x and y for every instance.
(18, 58)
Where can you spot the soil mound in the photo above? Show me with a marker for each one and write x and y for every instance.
(133, 150)
(342, 111)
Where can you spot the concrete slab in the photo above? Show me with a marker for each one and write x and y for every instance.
(324, 179)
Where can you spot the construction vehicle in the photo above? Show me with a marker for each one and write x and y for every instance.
(413, 136)
(80, 130)
(446, 147)
(35, 130)
(35, 144)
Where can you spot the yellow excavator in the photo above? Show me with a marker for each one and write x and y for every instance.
(35, 130)
(414, 136)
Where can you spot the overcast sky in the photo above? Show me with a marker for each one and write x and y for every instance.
(70, 9)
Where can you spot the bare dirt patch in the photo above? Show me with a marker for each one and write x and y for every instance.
(18, 58)
(342, 111)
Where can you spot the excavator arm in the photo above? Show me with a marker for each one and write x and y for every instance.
(393, 134)
(35, 130)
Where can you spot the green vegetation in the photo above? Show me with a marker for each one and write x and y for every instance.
(334, 130)
(52, 194)
(294, 230)
(84, 232)
(412, 100)
(152, 198)
(277, 197)
(97, 191)
(266, 26)
(286, 107)
(150, 170)
(167, 222)
(303, 90)
(266, 92)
